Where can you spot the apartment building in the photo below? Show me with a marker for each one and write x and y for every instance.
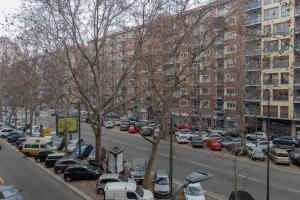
(271, 62)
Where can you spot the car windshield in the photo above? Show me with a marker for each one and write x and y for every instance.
(138, 167)
(162, 181)
(257, 151)
(194, 191)
(9, 192)
(139, 191)
(123, 178)
(283, 155)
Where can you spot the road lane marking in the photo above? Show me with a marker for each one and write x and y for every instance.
(1, 180)
(250, 178)
(296, 191)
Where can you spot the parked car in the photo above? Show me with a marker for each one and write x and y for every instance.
(239, 151)
(126, 191)
(215, 136)
(258, 135)
(256, 153)
(10, 192)
(124, 125)
(286, 140)
(295, 154)
(92, 157)
(197, 142)
(242, 195)
(194, 191)
(182, 139)
(82, 172)
(35, 144)
(264, 145)
(5, 131)
(72, 145)
(108, 124)
(235, 142)
(205, 136)
(186, 132)
(20, 143)
(280, 156)
(110, 178)
(62, 164)
(15, 137)
(214, 144)
(86, 149)
(137, 170)
(11, 134)
(161, 184)
(53, 158)
(183, 126)
(132, 129)
(147, 131)
(42, 155)
(218, 131)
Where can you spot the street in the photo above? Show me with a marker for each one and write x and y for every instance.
(35, 183)
(284, 184)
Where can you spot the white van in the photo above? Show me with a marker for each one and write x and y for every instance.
(123, 191)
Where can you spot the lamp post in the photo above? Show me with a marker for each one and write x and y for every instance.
(268, 148)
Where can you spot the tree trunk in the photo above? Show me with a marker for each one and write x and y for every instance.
(98, 147)
(147, 178)
(26, 112)
(31, 118)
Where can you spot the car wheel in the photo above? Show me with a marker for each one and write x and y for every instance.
(68, 179)
(38, 160)
(59, 171)
(100, 191)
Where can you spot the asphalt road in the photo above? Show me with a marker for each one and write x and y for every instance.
(284, 184)
(36, 184)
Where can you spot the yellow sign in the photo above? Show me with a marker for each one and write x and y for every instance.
(72, 124)
(46, 131)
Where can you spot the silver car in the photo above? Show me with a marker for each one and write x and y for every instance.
(110, 178)
(137, 170)
(161, 184)
(280, 156)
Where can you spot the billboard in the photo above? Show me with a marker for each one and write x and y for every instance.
(72, 124)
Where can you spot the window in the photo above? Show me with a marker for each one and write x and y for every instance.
(230, 91)
(229, 63)
(267, 30)
(285, 44)
(204, 66)
(183, 91)
(219, 52)
(267, 2)
(272, 13)
(230, 49)
(204, 78)
(285, 11)
(183, 55)
(266, 63)
(285, 78)
(281, 62)
(230, 77)
(270, 79)
(229, 36)
(280, 95)
(131, 195)
(205, 104)
(271, 46)
(230, 105)
(281, 28)
(205, 53)
(205, 91)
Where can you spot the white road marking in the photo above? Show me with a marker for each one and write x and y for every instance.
(250, 178)
(1, 180)
(297, 191)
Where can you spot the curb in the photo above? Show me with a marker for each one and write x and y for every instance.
(68, 185)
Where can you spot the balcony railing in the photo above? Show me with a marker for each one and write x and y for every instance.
(253, 5)
(252, 82)
(284, 115)
(252, 98)
(251, 51)
(296, 80)
(297, 10)
(253, 20)
(251, 67)
(297, 97)
(280, 98)
(271, 82)
(219, 82)
(296, 114)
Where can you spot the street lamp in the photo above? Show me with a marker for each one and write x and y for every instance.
(194, 177)
(268, 147)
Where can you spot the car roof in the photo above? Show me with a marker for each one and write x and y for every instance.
(121, 186)
(161, 173)
(280, 150)
(4, 187)
(105, 176)
(57, 154)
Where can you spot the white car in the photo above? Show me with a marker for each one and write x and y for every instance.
(186, 132)
(217, 131)
(260, 135)
(194, 192)
(109, 124)
(264, 144)
(182, 139)
(4, 132)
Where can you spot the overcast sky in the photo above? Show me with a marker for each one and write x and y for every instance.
(7, 7)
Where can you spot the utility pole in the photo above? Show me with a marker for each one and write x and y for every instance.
(268, 148)
(255, 126)
(79, 130)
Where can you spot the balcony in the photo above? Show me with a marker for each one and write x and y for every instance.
(252, 6)
(255, 82)
(219, 110)
(253, 20)
(219, 82)
(296, 80)
(284, 115)
(252, 52)
(252, 67)
(280, 97)
(271, 82)
(249, 97)
(219, 96)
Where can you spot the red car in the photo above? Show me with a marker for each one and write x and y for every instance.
(132, 129)
(214, 144)
(183, 126)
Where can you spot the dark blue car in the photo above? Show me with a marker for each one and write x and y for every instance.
(286, 140)
(11, 134)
